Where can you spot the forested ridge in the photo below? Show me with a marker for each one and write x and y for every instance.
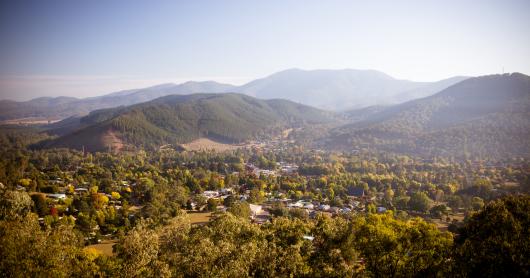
(64, 107)
(178, 119)
(484, 116)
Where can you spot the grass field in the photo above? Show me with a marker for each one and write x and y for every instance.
(442, 224)
(197, 218)
(104, 247)
(207, 144)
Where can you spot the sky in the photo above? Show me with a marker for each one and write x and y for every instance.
(89, 48)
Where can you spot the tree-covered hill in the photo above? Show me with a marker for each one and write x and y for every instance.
(63, 107)
(182, 118)
(485, 116)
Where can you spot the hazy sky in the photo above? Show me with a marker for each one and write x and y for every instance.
(86, 48)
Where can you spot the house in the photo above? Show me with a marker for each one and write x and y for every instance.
(255, 209)
(309, 206)
(226, 191)
(334, 210)
(325, 207)
(244, 197)
(259, 215)
(345, 210)
(210, 194)
(381, 209)
(295, 205)
(81, 190)
(260, 172)
(60, 196)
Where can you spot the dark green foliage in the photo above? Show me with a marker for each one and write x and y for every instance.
(41, 205)
(13, 137)
(419, 201)
(230, 118)
(495, 242)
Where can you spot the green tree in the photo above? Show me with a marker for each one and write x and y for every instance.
(256, 196)
(240, 209)
(14, 204)
(395, 248)
(229, 200)
(41, 205)
(212, 204)
(30, 251)
(477, 203)
(138, 252)
(495, 242)
(419, 201)
(228, 247)
(438, 211)
(335, 253)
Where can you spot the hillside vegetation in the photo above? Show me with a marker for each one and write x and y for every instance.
(484, 116)
(328, 89)
(229, 118)
(62, 107)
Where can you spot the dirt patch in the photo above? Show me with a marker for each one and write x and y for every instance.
(197, 218)
(112, 141)
(204, 144)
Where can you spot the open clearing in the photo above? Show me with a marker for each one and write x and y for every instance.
(199, 217)
(442, 225)
(105, 247)
(204, 144)
(111, 139)
(29, 121)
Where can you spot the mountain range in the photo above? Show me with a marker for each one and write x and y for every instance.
(341, 89)
(64, 107)
(176, 119)
(326, 89)
(481, 116)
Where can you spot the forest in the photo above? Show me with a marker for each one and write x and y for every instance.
(328, 214)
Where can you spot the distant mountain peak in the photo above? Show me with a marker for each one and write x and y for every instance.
(324, 88)
(340, 89)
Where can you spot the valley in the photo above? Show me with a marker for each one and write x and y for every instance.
(199, 176)
(234, 139)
